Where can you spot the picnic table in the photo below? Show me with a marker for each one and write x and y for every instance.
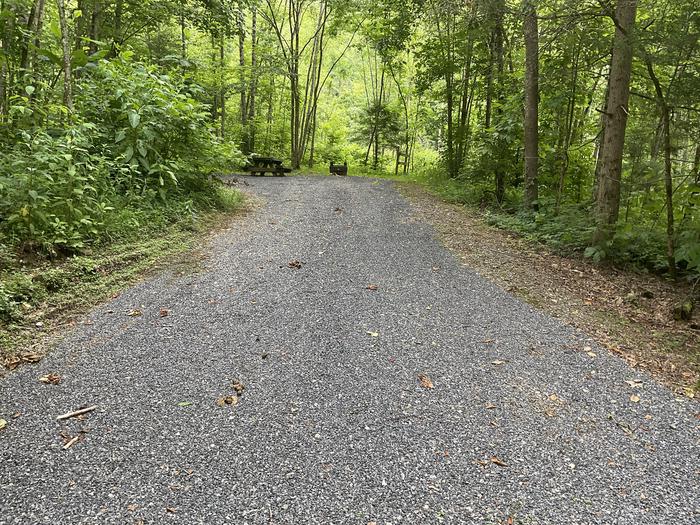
(262, 165)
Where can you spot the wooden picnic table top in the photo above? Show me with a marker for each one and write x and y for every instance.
(263, 161)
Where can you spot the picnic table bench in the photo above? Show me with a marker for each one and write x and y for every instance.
(262, 165)
(339, 169)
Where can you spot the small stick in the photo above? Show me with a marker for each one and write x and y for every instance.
(77, 413)
(71, 442)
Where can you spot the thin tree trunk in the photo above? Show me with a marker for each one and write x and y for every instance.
(608, 203)
(243, 81)
(65, 44)
(95, 26)
(183, 35)
(254, 78)
(531, 125)
(222, 67)
(668, 167)
(499, 174)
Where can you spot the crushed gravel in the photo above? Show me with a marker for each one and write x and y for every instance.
(527, 418)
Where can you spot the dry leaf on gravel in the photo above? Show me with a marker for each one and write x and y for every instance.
(425, 381)
(497, 461)
(164, 312)
(372, 287)
(498, 362)
(634, 383)
(12, 362)
(3, 424)
(227, 400)
(295, 264)
(135, 312)
(171, 510)
(238, 387)
(635, 399)
(373, 334)
(132, 507)
(50, 379)
(31, 357)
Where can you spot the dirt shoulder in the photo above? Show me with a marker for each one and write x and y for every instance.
(629, 313)
(58, 293)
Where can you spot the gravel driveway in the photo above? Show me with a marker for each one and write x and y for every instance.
(526, 422)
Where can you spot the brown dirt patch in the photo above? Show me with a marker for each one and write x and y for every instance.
(629, 313)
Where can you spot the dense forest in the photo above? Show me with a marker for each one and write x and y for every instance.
(575, 122)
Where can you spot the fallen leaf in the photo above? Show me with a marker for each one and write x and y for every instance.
(592, 354)
(510, 521)
(184, 404)
(31, 357)
(498, 362)
(488, 341)
(227, 400)
(164, 312)
(498, 462)
(238, 387)
(171, 510)
(3, 424)
(12, 362)
(50, 379)
(425, 381)
(372, 287)
(635, 399)
(553, 397)
(295, 264)
(132, 507)
(135, 313)
(373, 334)
(490, 406)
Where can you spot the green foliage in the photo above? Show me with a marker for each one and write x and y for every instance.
(137, 149)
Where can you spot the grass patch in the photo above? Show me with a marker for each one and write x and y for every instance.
(39, 296)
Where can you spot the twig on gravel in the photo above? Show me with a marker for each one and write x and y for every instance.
(76, 413)
(71, 442)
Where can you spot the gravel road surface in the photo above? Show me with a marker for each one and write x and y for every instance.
(527, 422)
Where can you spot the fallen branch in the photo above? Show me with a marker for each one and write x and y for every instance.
(76, 413)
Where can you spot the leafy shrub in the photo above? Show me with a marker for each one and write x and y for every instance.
(136, 154)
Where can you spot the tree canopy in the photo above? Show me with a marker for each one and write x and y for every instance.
(577, 122)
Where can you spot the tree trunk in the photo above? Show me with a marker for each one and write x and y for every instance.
(183, 36)
(608, 202)
(243, 81)
(65, 44)
(222, 67)
(668, 167)
(531, 126)
(253, 80)
(499, 174)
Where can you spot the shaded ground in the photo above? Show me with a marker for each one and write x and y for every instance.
(333, 363)
(631, 314)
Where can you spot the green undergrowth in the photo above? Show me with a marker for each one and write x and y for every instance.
(639, 242)
(38, 295)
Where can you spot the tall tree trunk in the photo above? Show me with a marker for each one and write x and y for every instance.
(254, 78)
(183, 35)
(3, 65)
(243, 81)
(222, 95)
(531, 125)
(65, 44)
(668, 167)
(498, 39)
(95, 25)
(608, 202)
